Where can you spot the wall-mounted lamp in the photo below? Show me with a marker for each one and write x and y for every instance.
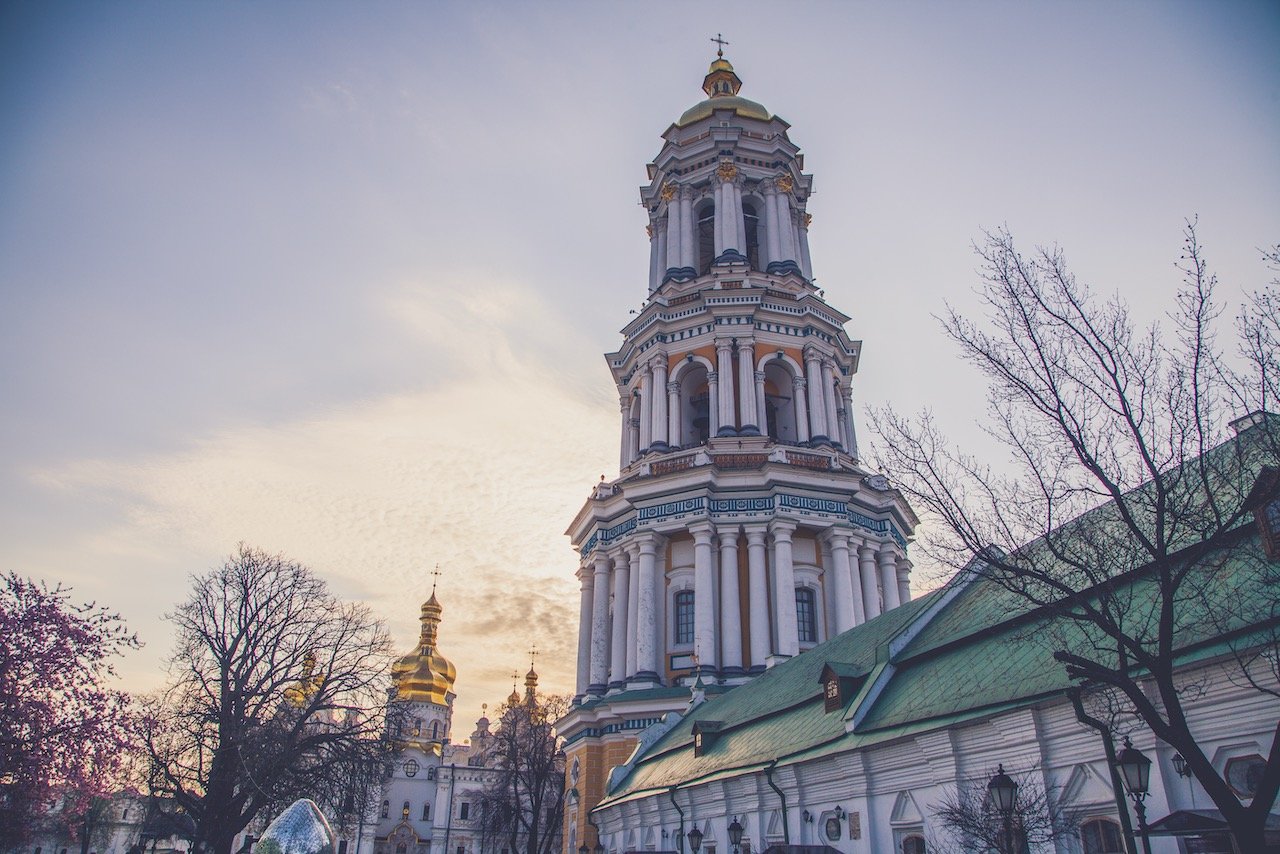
(839, 812)
(1180, 765)
(688, 357)
(779, 355)
(806, 817)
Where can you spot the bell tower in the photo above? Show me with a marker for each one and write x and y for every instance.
(742, 528)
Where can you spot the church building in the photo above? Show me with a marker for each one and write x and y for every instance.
(742, 529)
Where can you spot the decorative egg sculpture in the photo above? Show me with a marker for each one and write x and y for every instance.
(300, 829)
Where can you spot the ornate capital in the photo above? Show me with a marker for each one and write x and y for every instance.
(648, 229)
(673, 387)
(784, 183)
(668, 191)
(806, 219)
(798, 382)
(726, 171)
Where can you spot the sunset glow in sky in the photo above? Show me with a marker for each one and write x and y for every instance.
(334, 279)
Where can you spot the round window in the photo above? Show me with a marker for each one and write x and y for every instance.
(411, 768)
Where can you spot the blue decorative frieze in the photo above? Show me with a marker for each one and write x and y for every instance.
(805, 502)
(590, 544)
(671, 508)
(610, 534)
(742, 505)
(877, 526)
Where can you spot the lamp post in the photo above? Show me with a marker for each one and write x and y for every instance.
(1004, 792)
(583, 849)
(695, 840)
(1135, 768)
(735, 835)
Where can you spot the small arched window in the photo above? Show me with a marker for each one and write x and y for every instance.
(806, 615)
(401, 848)
(913, 845)
(684, 616)
(386, 808)
(751, 223)
(431, 772)
(435, 730)
(1101, 836)
(706, 237)
(426, 812)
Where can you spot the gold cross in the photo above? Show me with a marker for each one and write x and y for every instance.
(532, 654)
(719, 39)
(436, 573)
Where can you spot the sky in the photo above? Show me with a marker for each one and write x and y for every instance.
(335, 279)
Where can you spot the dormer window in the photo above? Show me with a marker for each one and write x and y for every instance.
(705, 734)
(840, 682)
(1266, 511)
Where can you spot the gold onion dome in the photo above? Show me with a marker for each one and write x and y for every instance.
(721, 85)
(424, 675)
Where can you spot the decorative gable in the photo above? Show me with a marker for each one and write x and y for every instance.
(705, 734)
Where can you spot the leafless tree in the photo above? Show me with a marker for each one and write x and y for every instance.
(522, 809)
(278, 692)
(973, 823)
(1125, 489)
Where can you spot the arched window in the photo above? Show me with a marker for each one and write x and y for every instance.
(431, 773)
(1101, 836)
(913, 845)
(806, 615)
(695, 407)
(751, 221)
(401, 848)
(435, 730)
(684, 616)
(779, 402)
(386, 808)
(426, 812)
(706, 218)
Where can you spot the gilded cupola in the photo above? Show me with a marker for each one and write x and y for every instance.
(424, 675)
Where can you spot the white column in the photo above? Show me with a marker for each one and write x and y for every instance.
(687, 245)
(657, 255)
(624, 453)
(635, 439)
(762, 411)
(659, 633)
(784, 593)
(870, 590)
(739, 222)
(618, 653)
(713, 403)
(806, 264)
(646, 410)
(829, 398)
(817, 406)
(673, 234)
(633, 606)
(802, 411)
(646, 617)
(851, 445)
(659, 387)
(773, 246)
(673, 414)
(786, 227)
(724, 369)
(704, 597)
(758, 595)
(841, 580)
(600, 626)
(889, 578)
(730, 606)
(748, 425)
(722, 217)
(586, 579)
(904, 580)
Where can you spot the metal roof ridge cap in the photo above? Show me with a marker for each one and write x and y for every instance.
(953, 588)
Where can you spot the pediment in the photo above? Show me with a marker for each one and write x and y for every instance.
(1087, 785)
(905, 810)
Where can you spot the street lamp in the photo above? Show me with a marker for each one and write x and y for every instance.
(1180, 765)
(1135, 768)
(599, 849)
(1004, 791)
(735, 835)
(583, 849)
(695, 840)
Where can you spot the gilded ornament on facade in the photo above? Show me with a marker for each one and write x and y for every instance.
(648, 229)
(808, 218)
(784, 183)
(727, 171)
(668, 191)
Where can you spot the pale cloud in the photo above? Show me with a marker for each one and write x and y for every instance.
(480, 474)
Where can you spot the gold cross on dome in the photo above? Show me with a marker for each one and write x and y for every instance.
(436, 577)
(719, 39)
(533, 653)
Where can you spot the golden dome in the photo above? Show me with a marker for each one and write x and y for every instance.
(424, 675)
(721, 85)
